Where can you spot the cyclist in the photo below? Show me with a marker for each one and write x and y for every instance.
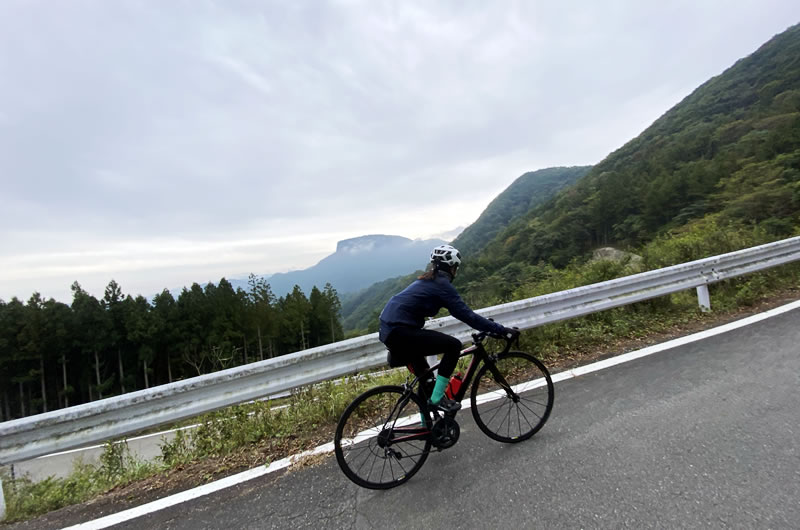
(403, 318)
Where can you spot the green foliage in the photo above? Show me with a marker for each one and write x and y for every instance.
(116, 467)
(175, 451)
(121, 343)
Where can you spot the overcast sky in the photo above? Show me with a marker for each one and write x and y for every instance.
(161, 143)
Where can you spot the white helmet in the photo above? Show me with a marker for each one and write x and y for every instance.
(447, 255)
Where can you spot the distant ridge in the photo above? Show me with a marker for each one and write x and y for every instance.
(357, 263)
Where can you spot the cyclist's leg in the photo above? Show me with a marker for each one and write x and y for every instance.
(420, 367)
(407, 351)
(451, 349)
(416, 343)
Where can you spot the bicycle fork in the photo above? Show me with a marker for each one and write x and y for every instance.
(500, 380)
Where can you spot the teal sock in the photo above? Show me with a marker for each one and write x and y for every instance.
(438, 390)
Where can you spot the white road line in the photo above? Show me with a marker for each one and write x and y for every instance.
(127, 515)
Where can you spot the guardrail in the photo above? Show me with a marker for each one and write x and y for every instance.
(27, 438)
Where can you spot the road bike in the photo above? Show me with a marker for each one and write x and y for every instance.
(385, 435)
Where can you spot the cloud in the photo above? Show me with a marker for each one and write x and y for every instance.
(144, 128)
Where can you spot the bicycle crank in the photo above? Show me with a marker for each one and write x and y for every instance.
(445, 433)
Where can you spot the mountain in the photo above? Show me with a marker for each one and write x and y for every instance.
(528, 191)
(357, 263)
(730, 149)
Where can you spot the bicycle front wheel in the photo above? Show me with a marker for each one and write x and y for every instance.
(383, 437)
(516, 397)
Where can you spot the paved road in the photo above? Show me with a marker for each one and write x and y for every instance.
(705, 435)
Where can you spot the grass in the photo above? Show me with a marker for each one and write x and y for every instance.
(116, 466)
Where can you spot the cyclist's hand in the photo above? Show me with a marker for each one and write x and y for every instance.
(511, 334)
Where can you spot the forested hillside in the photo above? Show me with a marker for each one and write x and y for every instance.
(528, 191)
(729, 152)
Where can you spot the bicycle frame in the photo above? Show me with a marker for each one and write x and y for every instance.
(479, 353)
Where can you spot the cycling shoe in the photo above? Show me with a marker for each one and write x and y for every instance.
(445, 405)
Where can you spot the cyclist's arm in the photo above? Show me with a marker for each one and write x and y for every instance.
(453, 302)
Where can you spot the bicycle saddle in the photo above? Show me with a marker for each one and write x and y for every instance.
(394, 360)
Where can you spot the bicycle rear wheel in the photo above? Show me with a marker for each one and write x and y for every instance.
(516, 397)
(381, 439)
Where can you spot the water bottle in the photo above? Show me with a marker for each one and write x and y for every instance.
(453, 386)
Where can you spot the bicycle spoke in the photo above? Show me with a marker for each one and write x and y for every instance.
(530, 399)
(532, 411)
(356, 450)
(400, 465)
(383, 469)
(372, 465)
(506, 406)
(526, 420)
(508, 418)
(500, 403)
(499, 408)
(504, 417)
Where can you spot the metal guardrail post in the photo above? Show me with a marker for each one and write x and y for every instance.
(703, 298)
(2, 502)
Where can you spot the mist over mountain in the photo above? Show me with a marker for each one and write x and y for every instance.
(357, 263)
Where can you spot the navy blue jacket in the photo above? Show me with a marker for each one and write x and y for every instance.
(424, 298)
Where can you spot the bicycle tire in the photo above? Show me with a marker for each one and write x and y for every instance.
(366, 444)
(518, 415)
